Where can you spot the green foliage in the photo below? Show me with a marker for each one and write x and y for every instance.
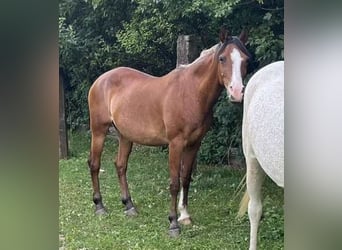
(88, 47)
(268, 36)
(97, 35)
(149, 40)
(225, 133)
(211, 205)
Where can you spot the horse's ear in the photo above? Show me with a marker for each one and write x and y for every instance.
(224, 34)
(243, 36)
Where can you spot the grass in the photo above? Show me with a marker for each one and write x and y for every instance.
(210, 204)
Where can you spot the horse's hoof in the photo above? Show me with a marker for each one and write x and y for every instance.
(174, 232)
(185, 221)
(101, 211)
(131, 212)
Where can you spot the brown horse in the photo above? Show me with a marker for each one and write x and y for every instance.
(175, 109)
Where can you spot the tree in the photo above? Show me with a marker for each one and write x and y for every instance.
(88, 47)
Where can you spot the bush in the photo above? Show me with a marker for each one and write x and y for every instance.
(224, 134)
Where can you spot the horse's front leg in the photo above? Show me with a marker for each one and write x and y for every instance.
(189, 161)
(175, 156)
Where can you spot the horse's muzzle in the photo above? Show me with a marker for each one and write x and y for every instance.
(235, 95)
(233, 99)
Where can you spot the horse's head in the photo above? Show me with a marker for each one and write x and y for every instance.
(232, 57)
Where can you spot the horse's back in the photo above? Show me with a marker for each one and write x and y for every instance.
(263, 122)
(121, 77)
(118, 80)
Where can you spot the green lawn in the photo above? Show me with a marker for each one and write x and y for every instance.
(210, 204)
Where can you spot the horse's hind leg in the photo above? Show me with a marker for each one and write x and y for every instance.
(121, 161)
(189, 161)
(255, 177)
(97, 139)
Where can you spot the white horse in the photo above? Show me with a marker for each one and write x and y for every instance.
(263, 137)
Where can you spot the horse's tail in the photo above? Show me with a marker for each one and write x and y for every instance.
(245, 199)
(243, 205)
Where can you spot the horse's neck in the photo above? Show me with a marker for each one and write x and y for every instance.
(209, 88)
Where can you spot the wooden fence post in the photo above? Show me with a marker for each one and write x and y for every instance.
(188, 49)
(63, 133)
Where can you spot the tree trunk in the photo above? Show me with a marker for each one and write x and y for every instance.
(63, 133)
(188, 49)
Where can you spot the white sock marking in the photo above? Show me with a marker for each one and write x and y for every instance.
(182, 209)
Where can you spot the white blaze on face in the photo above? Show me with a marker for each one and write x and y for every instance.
(236, 87)
(236, 67)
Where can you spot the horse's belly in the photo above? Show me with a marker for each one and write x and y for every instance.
(139, 121)
(147, 139)
(141, 132)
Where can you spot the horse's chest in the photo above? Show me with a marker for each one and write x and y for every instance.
(197, 130)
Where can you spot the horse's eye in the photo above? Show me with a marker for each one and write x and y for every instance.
(222, 59)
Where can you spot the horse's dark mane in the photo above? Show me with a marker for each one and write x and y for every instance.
(235, 40)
